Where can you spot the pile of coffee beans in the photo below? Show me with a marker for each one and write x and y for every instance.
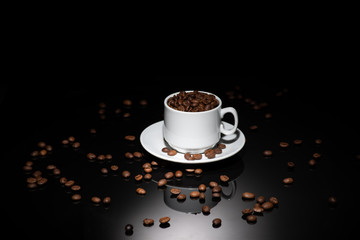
(194, 101)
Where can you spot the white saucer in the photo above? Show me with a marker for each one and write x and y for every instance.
(152, 140)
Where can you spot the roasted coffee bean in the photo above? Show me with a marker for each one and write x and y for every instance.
(198, 171)
(42, 181)
(316, 155)
(104, 170)
(197, 156)
(31, 180)
(127, 102)
(69, 183)
(284, 144)
(312, 162)
(138, 177)
(189, 170)
(251, 218)
(205, 209)
(169, 175)
(194, 194)
(31, 185)
(50, 167)
(147, 176)
(216, 222)
(154, 163)
(248, 195)
(165, 149)
(148, 222)
(146, 165)
(291, 164)
(216, 189)
(172, 152)
(288, 180)
(247, 211)
(164, 220)
(267, 153)
(253, 127)
(106, 200)
(114, 167)
(297, 141)
(274, 200)
(178, 174)
(140, 191)
(76, 145)
(216, 195)
(162, 182)
(210, 153)
(138, 154)
(318, 141)
(125, 174)
(27, 168)
(258, 209)
(148, 170)
(192, 101)
(202, 187)
(130, 137)
(76, 197)
(181, 197)
(129, 155)
(101, 157)
(332, 200)
(91, 156)
(213, 184)
(217, 150)
(221, 146)
(75, 187)
(95, 199)
(63, 180)
(202, 196)
(267, 205)
(175, 191)
(260, 199)
(224, 178)
(188, 156)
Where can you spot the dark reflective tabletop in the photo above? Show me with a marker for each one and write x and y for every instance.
(280, 112)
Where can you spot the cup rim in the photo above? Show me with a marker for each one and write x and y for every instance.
(202, 112)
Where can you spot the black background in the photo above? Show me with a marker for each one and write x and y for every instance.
(305, 106)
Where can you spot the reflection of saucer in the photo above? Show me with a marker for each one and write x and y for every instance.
(152, 140)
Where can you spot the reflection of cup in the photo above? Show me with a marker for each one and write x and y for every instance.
(194, 132)
(195, 205)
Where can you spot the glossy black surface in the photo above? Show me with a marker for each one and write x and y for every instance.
(298, 112)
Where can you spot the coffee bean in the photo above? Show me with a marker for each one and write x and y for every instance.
(147, 176)
(297, 141)
(288, 180)
(162, 182)
(96, 199)
(291, 164)
(154, 163)
(104, 170)
(267, 153)
(188, 156)
(91, 156)
(76, 197)
(101, 157)
(247, 211)
(267, 205)
(198, 171)
(76, 145)
(129, 155)
(181, 197)
(148, 222)
(193, 101)
(175, 191)
(114, 167)
(172, 152)
(138, 177)
(274, 200)
(312, 162)
(221, 146)
(164, 220)
(224, 178)
(284, 144)
(210, 153)
(178, 174)
(318, 141)
(197, 156)
(202, 196)
(169, 175)
(202, 187)
(27, 168)
(165, 149)
(69, 183)
(31, 180)
(260, 199)
(253, 127)
(213, 184)
(248, 195)
(205, 209)
(194, 194)
(332, 200)
(125, 174)
(251, 218)
(138, 154)
(216, 189)
(146, 165)
(316, 155)
(258, 209)
(75, 187)
(217, 150)
(127, 102)
(130, 137)
(140, 191)
(63, 180)
(31, 185)
(106, 200)
(216, 222)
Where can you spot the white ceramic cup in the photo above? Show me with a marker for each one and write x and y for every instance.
(195, 132)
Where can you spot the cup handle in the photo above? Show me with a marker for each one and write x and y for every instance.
(234, 113)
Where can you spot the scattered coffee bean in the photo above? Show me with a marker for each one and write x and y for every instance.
(114, 167)
(127, 102)
(274, 200)
(181, 197)
(258, 209)
(91, 156)
(106, 200)
(248, 195)
(202, 187)
(216, 189)
(101, 157)
(318, 141)
(216, 222)
(178, 174)
(224, 178)
(253, 127)
(188, 156)
(198, 171)
(298, 141)
(56, 172)
(41, 181)
(76, 145)
(175, 191)
(267, 153)
(31, 180)
(284, 144)
(125, 174)
(216, 195)
(140, 191)
(69, 183)
(260, 199)
(148, 222)
(247, 211)
(169, 175)
(104, 170)
(205, 209)
(213, 184)
(291, 164)
(312, 162)
(63, 180)
(202, 196)
(251, 218)
(130, 137)
(138, 177)
(210, 153)
(197, 156)
(172, 152)
(147, 176)
(95, 199)
(217, 150)
(288, 180)
(165, 149)
(129, 228)
(164, 220)
(316, 155)
(129, 155)
(162, 182)
(194, 194)
(267, 205)
(154, 163)
(75, 187)
(332, 200)
(76, 197)
(138, 154)
(146, 165)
